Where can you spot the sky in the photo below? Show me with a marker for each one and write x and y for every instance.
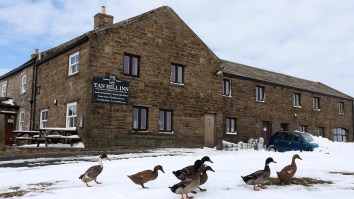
(328, 163)
(312, 40)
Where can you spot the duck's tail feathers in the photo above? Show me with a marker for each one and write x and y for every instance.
(173, 188)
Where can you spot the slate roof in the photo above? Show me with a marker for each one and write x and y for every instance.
(263, 76)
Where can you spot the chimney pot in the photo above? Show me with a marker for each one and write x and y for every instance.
(36, 51)
(103, 9)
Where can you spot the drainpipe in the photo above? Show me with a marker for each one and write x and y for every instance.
(353, 119)
(33, 94)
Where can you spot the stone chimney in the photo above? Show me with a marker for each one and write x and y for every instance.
(35, 55)
(102, 19)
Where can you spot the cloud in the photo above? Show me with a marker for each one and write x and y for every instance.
(307, 39)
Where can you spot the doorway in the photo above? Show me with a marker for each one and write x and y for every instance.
(10, 125)
(209, 130)
(266, 131)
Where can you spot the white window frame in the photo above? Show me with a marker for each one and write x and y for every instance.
(21, 120)
(340, 135)
(316, 103)
(23, 83)
(303, 128)
(42, 120)
(3, 89)
(297, 100)
(74, 64)
(341, 108)
(231, 125)
(72, 117)
(226, 87)
(260, 93)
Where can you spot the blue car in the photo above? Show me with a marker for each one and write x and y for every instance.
(291, 141)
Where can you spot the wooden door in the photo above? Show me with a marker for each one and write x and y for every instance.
(266, 131)
(209, 130)
(10, 125)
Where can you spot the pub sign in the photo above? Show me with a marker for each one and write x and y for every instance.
(110, 89)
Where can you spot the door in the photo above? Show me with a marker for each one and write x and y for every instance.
(10, 125)
(209, 130)
(266, 131)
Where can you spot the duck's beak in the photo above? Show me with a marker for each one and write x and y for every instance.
(274, 161)
(107, 158)
(210, 161)
(162, 170)
(212, 170)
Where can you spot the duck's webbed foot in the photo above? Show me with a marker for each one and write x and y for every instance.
(189, 197)
(262, 186)
(98, 182)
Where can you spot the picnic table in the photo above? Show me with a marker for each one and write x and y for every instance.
(52, 135)
(23, 135)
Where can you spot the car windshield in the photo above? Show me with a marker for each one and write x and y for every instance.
(308, 137)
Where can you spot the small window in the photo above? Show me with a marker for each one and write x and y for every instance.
(303, 128)
(177, 71)
(44, 118)
(226, 87)
(74, 63)
(297, 100)
(341, 108)
(23, 83)
(3, 89)
(71, 114)
(284, 126)
(165, 121)
(320, 131)
(316, 103)
(131, 65)
(340, 135)
(283, 136)
(260, 91)
(140, 117)
(21, 121)
(231, 126)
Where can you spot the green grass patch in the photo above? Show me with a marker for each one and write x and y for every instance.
(19, 192)
(343, 173)
(307, 182)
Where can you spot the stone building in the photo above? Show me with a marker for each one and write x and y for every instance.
(150, 81)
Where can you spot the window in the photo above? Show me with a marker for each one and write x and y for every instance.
(21, 121)
(231, 126)
(316, 103)
(131, 65)
(340, 135)
(295, 138)
(284, 126)
(260, 93)
(140, 115)
(320, 131)
(226, 87)
(71, 114)
(165, 121)
(177, 73)
(303, 128)
(341, 108)
(3, 89)
(297, 100)
(74, 63)
(23, 83)
(43, 118)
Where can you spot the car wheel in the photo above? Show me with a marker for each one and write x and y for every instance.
(272, 149)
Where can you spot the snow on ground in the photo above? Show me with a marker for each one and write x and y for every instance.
(60, 181)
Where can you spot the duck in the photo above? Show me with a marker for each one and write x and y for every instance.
(289, 171)
(92, 173)
(189, 184)
(259, 177)
(188, 171)
(143, 177)
(204, 176)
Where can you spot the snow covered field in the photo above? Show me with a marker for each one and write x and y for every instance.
(329, 162)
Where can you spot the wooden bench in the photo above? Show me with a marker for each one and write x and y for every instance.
(23, 135)
(55, 135)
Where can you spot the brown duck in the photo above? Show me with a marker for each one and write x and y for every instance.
(289, 171)
(188, 171)
(189, 184)
(204, 175)
(92, 173)
(145, 176)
